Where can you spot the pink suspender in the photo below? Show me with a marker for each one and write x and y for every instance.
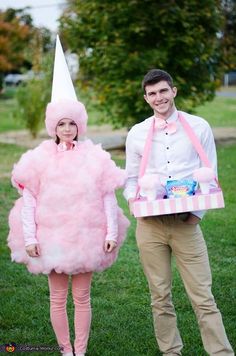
(193, 138)
(146, 152)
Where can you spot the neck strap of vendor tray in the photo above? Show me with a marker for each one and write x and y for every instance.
(192, 136)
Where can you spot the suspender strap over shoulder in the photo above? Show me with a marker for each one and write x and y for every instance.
(192, 136)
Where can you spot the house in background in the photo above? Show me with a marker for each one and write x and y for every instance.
(229, 78)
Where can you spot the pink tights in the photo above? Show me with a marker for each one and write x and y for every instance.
(58, 285)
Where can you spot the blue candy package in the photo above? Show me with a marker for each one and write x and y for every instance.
(180, 188)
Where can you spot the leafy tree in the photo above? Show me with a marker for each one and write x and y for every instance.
(23, 46)
(15, 32)
(34, 94)
(19, 41)
(228, 34)
(118, 41)
(32, 99)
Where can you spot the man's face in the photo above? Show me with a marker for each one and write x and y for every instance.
(160, 97)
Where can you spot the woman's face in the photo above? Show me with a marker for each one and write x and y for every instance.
(66, 130)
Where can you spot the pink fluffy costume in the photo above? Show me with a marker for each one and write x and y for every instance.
(68, 213)
(71, 224)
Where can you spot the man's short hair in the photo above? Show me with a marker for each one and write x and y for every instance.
(155, 76)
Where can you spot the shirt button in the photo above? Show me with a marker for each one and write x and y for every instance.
(169, 176)
(166, 133)
(167, 148)
(168, 161)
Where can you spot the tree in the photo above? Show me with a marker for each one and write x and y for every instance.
(15, 32)
(32, 99)
(34, 94)
(17, 40)
(118, 41)
(23, 46)
(228, 34)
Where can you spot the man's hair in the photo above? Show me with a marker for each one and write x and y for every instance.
(155, 76)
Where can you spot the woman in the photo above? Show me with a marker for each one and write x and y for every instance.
(67, 222)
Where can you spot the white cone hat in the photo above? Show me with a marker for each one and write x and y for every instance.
(62, 85)
(64, 103)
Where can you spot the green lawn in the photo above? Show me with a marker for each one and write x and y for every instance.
(8, 120)
(220, 112)
(122, 321)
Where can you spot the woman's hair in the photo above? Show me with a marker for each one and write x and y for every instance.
(57, 140)
(155, 76)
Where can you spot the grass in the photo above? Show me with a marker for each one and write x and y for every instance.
(219, 112)
(122, 321)
(9, 155)
(8, 120)
(8, 110)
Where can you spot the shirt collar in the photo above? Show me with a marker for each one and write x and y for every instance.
(61, 147)
(172, 118)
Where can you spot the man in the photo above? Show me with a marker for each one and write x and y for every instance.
(173, 156)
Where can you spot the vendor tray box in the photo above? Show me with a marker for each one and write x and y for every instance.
(213, 200)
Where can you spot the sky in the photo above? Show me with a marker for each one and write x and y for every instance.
(44, 12)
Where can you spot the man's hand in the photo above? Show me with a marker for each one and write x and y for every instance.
(192, 219)
(130, 201)
(33, 250)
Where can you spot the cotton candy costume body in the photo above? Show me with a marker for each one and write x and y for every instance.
(69, 187)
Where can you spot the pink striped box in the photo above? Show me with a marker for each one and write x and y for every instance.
(213, 200)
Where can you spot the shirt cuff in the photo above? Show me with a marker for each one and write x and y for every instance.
(199, 213)
(31, 241)
(129, 195)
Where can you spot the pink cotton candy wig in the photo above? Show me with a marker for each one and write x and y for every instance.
(66, 109)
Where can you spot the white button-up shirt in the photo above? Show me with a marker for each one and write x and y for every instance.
(172, 156)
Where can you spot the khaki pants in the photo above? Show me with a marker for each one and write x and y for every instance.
(157, 239)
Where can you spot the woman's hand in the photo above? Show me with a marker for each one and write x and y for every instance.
(33, 250)
(109, 245)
